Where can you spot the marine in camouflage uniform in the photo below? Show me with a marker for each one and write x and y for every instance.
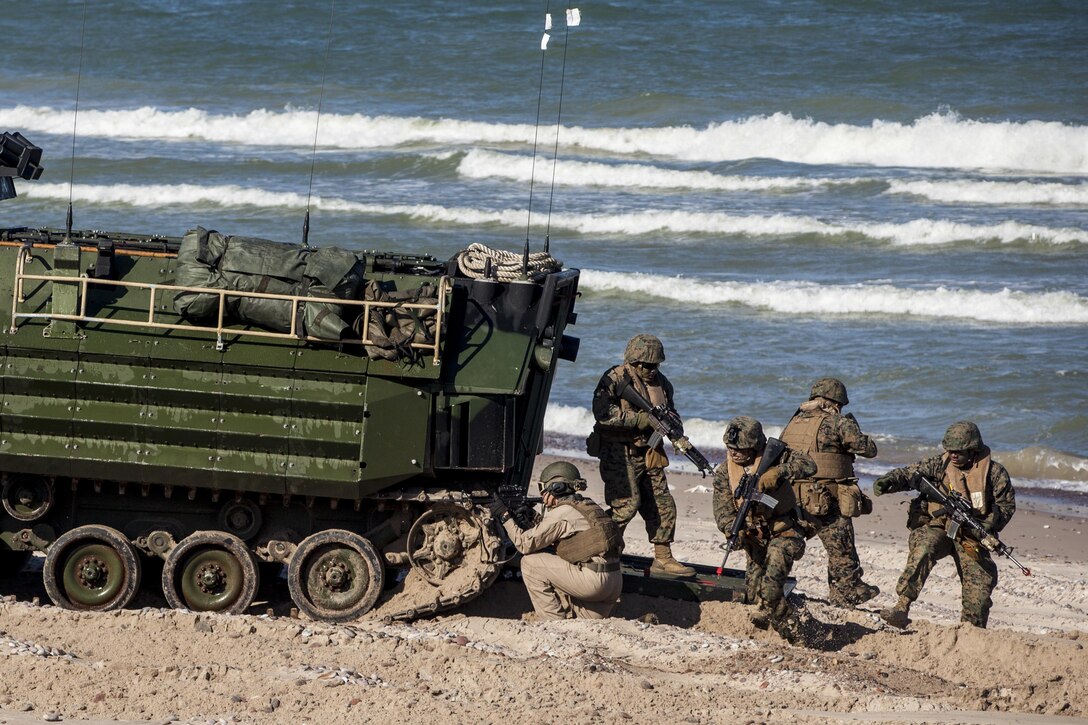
(832, 440)
(633, 473)
(571, 556)
(966, 468)
(772, 538)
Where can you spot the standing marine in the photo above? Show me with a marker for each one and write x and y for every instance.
(772, 538)
(632, 471)
(571, 556)
(831, 498)
(966, 468)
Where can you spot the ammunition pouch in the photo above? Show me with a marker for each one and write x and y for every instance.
(593, 444)
(813, 497)
(852, 501)
(918, 514)
(971, 548)
(656, 457)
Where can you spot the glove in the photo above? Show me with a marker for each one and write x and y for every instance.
(769, 480)
(497, 508)
(642, 420)
(882, 485)
(681, 444)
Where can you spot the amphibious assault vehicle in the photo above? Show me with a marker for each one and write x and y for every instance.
(219, 403)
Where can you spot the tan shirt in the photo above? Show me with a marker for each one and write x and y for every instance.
(556, 524)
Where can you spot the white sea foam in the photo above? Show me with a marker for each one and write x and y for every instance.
(479, 164)
(994, 192)
(916, 232)
(939, 140)
(792, 297)
(573, 420)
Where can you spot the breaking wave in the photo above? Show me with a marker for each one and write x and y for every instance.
(994, 192)
(807, 298)
(915, 232)
(478, 164)
(939, 140)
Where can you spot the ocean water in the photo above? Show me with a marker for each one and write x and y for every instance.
(892, 193)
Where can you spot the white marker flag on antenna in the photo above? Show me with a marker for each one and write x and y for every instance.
(547, 21)
(574, 17)
(544, 41)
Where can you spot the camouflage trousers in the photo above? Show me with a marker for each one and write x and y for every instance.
(630, 488)
(844, 570)
(977, 571)
(769, 564)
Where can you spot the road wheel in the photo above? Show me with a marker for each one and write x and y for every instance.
(91, 568)
(335, 576)
(210, 571)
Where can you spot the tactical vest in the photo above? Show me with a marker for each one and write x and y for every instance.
(800, 435)
(602, 538)
(973, 484)
(776, 520)
(653, 393)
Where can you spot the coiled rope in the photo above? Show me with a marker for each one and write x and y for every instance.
(505, 266)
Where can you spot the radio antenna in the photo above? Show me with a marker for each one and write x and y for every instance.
(317, 125)
(536, 133)
(75, 117)
(573, 18)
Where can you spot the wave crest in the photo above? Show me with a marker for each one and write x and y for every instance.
(803, 298)
(939, 140)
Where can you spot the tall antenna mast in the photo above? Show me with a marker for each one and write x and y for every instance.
(317, 125)
(75, 116)
(536, 134)
(574, 17)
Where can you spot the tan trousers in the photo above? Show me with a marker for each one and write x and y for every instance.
(561, 590)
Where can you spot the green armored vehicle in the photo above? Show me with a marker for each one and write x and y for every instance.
(229, 405)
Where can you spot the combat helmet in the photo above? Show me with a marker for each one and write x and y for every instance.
(830, 388)
(962, 436)
(561, 479)
(644, 348)
(744, 432)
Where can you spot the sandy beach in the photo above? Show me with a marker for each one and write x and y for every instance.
(490, 662)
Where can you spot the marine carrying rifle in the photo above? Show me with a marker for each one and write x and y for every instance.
(666, 424)
(960, 514)
(748, 493)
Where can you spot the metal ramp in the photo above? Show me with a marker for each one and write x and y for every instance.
(704, 586)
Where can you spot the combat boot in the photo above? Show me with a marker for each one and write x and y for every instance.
(664, 563)
(760, 617)
(786, 622)
(848, 598)
(897, 616)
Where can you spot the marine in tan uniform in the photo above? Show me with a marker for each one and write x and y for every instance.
(570, 563)
(772, 538)
(831, 498)
(964, 467)
(633, 472)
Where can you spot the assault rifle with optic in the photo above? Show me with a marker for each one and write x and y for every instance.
(666, 424)
(748, 493)
(961, 514)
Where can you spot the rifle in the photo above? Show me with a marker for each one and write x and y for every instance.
(666, 424)
(748, 492)
(961, 514)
